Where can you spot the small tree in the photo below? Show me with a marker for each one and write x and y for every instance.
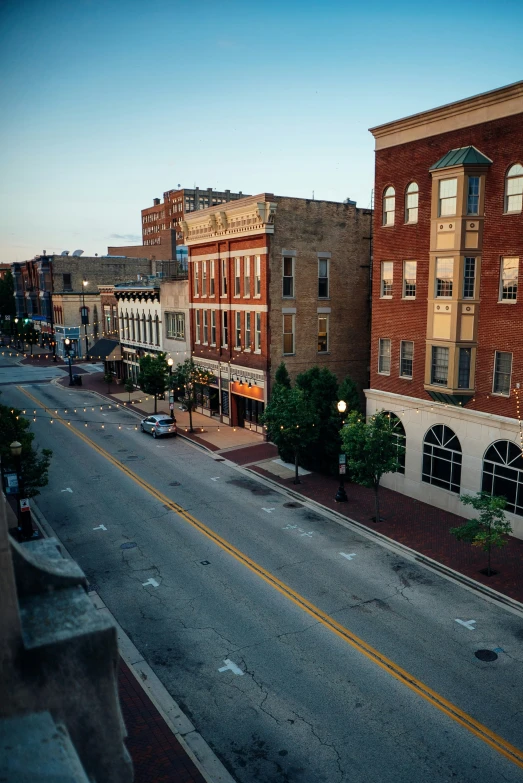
(321, 389)
(153, 378)
(372, 450)
(108, 378)
(34, 465)
(187, 377)
(348, 391)
(291, 422)
(490, 528)
(282, 376)
(129, 387)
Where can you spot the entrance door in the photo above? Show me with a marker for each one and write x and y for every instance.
(240, 411)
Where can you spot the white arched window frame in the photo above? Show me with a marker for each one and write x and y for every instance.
(389, 206)
(514, 189)
(502, 474)
(398, 429)
(442, 458)
(411, 203)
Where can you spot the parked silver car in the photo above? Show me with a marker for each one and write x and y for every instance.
(158, 425)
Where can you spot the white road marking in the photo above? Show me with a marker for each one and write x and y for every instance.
(468, 624)
(287, 527)
(231, 667)
(269, 510)
(349, 557)
(100, 527)
(151, 582)
(104, 414)
(67, 490)
(215, 479)
(309, 534)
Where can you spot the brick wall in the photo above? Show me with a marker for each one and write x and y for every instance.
(163, 252)
(98, 270)
(502, 141)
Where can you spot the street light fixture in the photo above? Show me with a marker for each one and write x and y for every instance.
(341, 495)
(85, 315)
(170, 362)
(68, 354)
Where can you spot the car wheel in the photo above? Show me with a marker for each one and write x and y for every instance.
(154, 434)
(141, 427)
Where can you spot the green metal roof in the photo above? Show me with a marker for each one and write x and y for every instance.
(462, 156)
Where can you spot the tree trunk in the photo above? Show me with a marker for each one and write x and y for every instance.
(296, 474)
(377, 503)
(189, 408)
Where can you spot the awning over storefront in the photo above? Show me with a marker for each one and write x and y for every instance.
(106, 350)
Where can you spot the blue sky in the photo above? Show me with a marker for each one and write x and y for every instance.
(105, 105)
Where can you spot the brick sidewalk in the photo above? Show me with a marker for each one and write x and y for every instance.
(157, 755)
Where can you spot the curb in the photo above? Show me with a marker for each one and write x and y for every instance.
(194, 745)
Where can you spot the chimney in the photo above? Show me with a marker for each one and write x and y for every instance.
(156, 201)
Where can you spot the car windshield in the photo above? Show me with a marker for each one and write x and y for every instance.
(165, 422)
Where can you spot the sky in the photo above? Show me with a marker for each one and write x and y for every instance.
(105, 105)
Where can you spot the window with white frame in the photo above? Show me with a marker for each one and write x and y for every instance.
(175, 326)
(387, 270)
(384, 356)
(213, 327)
(211, 277)
(473, 196)
(323, 333)
(502, 373)
(514, 189)
(237, 275)
(257, 333)
(389, 206)
(288, 333)
(411, 203)
(204, 278)
(225, 328)
(247, 331)
(508, 288)
(444, 277)
(247, 276)
(448, 191)
(238, 331)
(224, 263)
(196, 279)
(469, 278)
(288, 276)
(257, 276)
(323, 278)
(442, 458)
(440, 366)
(197, 316)
(406, 358)
(205, 326)
(409, 279)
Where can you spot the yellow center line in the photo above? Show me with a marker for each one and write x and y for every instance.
(478, 729)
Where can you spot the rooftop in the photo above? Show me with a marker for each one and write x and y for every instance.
(462, 156)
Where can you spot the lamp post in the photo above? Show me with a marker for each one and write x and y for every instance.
(85, 315)
(16, 331)
(170, 363)
(341, 495)
(68, 354)
(23, 517)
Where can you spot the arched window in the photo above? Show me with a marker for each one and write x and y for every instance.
(138, 330)
(401, 439)
(389, 206)
(121, 326)
(126, 325)
(157, 329)
(503, 474)
(411, 203)
(442, 458)
(144, 331)
(133, 333)
(514, 188)
(150, 329)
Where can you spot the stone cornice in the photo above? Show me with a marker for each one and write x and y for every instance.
(242, 217)
(488, 106)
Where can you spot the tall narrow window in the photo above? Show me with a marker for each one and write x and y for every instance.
(247, 331)
(257, 344)
(211, 277)
(464, 368)
(411, 203)
(204, 278)
(384, 356)
(257, 275)
(198, 326)
(224, 276)
(288, 276)
(288, 334)
(196, 279)
(150, 322)
(238, 331)
(409, 279)
(386, 279)
(144, 327)
(389, 206)
(121, 327)
(514, 189)
(323, 333)
(138, 330)
(127, 326)
(133, 332)
(225, 328)
(157, 330)
(509, 279)
(213, 327)
(237, 273)
(323, 278)
(444, 277)
(448, 189)
(440, 365)
(205, 326)
(406, 358)
(469, 278)
(247, 276)
(502, 373)
(442, 458)
(473, 196)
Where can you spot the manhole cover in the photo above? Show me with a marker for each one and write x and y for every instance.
(486, 655)
(293, 505)
(128, 545)
(174, 484)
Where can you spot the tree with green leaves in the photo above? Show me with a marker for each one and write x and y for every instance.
(188, 378)
(291, 422)
(348, 391)
(29, 334)
(490, 528)
(129, 387)
(153, 377)
(282, 376)
(372, 450)
(34, 465)
(108, 378)
(320, 386)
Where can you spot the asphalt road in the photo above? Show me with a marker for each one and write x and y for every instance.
(279, 632)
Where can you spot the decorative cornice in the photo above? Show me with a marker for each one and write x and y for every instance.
(242, 217)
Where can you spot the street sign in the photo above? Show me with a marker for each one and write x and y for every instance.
(7, 317)
(11, 484)
(171, 406)
(343, 469)
(24, 504)
(342, 459)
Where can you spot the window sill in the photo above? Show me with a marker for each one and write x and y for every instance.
(387, 225)
(288, 297)
(405, 377)
(411, 223)
(323, 353)
(258, 350)
(500, 394)
(508, 301)
(408, 298)
(386, 297)
(510, 214)
(324, 298)
(383, 373)
(289, 354)
(246, 350)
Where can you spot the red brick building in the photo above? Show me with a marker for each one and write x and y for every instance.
(447, 343)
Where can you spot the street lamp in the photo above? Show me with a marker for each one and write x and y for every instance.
(85, 315)
(23, 517)
(68, 354)
(341, 495)
(170, 363)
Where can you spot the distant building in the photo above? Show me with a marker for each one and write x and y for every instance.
(161, 232)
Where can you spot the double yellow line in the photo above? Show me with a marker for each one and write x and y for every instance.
(478, 729)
